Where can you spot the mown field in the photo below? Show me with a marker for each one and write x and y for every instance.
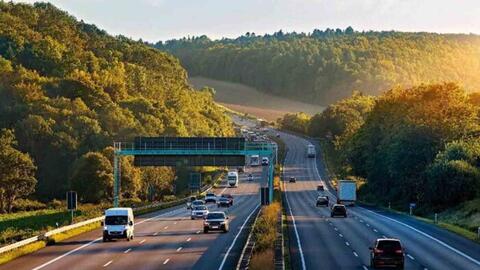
(246, 99)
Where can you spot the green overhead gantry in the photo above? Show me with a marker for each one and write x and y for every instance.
(192, 151)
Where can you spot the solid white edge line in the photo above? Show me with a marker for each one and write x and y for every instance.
(302, 258)
(428, 236)
(235, 239)
(92, 242)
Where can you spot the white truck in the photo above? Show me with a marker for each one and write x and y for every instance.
(311, 151)
(254, 160)
(347, 192)
(232, 179)
(118, 223)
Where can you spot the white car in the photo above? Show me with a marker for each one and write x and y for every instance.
(265, 161)
(199, 212)
(210, 197)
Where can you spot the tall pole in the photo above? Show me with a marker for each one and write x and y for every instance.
(116, 180)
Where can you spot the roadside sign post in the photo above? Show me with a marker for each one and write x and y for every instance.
(412, 205)
(71, 203)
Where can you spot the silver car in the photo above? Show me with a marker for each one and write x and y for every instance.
(216, 221)
(199, 211)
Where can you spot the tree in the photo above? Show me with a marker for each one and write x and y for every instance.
(92, 177)
(16, 172)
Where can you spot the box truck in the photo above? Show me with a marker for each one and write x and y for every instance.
(347, 192)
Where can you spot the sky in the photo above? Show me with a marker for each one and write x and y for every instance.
(154, 20)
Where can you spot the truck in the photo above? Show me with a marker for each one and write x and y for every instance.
(254, 160)
(347, 192)
(118, 223)
(232, 179)
(311, 151)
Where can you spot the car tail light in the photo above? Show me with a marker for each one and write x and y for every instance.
(377, 251)
(399, 251)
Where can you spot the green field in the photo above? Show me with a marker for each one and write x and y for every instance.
(246, 99)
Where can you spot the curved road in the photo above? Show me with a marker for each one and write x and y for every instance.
(342, 243)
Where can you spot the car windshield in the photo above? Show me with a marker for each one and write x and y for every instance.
(116, 220)
(197, 203)
(200, 207)
(210, 195)
(226, 196)
(389, 245)
(339, 207)
(216, 216)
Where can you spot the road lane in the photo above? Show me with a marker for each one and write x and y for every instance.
(363, 226)
(158, 237)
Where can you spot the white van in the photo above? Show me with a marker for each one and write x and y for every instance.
(232, 179)
(118, 223)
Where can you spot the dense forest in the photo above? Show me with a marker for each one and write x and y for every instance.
(68, 90)
(324, 66)
(419, 144)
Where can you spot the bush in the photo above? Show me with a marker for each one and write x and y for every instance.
(262, 260)
(265, 228)
(27, 205)
(55, 204)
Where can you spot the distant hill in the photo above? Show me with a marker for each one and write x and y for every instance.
(324, 66)
(68, 88)
(248, 100)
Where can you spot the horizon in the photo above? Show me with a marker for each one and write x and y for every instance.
(160, 20)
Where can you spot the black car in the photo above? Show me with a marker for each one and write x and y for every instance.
(216, 221)
(387, 252)
(322, 200)
(338, 210)
(320, 188)
(292, 179)
(224, 202)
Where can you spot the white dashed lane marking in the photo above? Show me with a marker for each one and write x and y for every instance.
(128, 250)
(188, 240)
(107, 264)
(354, 253)
(143, 241)
(410, 256)
(166, 261)
(178, 249)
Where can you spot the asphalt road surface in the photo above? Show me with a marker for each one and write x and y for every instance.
(343, 243)
(166, 239)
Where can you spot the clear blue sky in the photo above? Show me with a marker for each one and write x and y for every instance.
(155, 20)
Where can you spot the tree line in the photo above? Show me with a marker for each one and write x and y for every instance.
(68, 90)
(327, 65)
(418, 144)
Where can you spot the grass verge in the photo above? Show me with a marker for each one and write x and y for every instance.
(32, 247)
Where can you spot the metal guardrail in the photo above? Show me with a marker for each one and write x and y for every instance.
(50, 233)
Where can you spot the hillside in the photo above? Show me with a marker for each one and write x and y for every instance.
(68, 88)
(324, 66)
(248, 100)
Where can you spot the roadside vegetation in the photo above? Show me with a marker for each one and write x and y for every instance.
(419, 144)
(324, 66)
(67, 91)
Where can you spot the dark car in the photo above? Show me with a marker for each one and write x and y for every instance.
(224, 202)
(320, 188)
(250, 177)
(292, 179)
(241, 169)
(322, 200)
(216, 221)
(229, 197)
(387, 252)
(190, 200)
(338, 210)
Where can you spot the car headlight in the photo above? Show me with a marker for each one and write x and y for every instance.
(105, 228)
(223, 222)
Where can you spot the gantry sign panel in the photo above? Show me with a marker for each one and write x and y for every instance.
(217, 151)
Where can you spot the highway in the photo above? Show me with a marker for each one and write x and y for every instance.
(166, 239)
(342, 243)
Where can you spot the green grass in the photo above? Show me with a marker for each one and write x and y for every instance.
(71, 233)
